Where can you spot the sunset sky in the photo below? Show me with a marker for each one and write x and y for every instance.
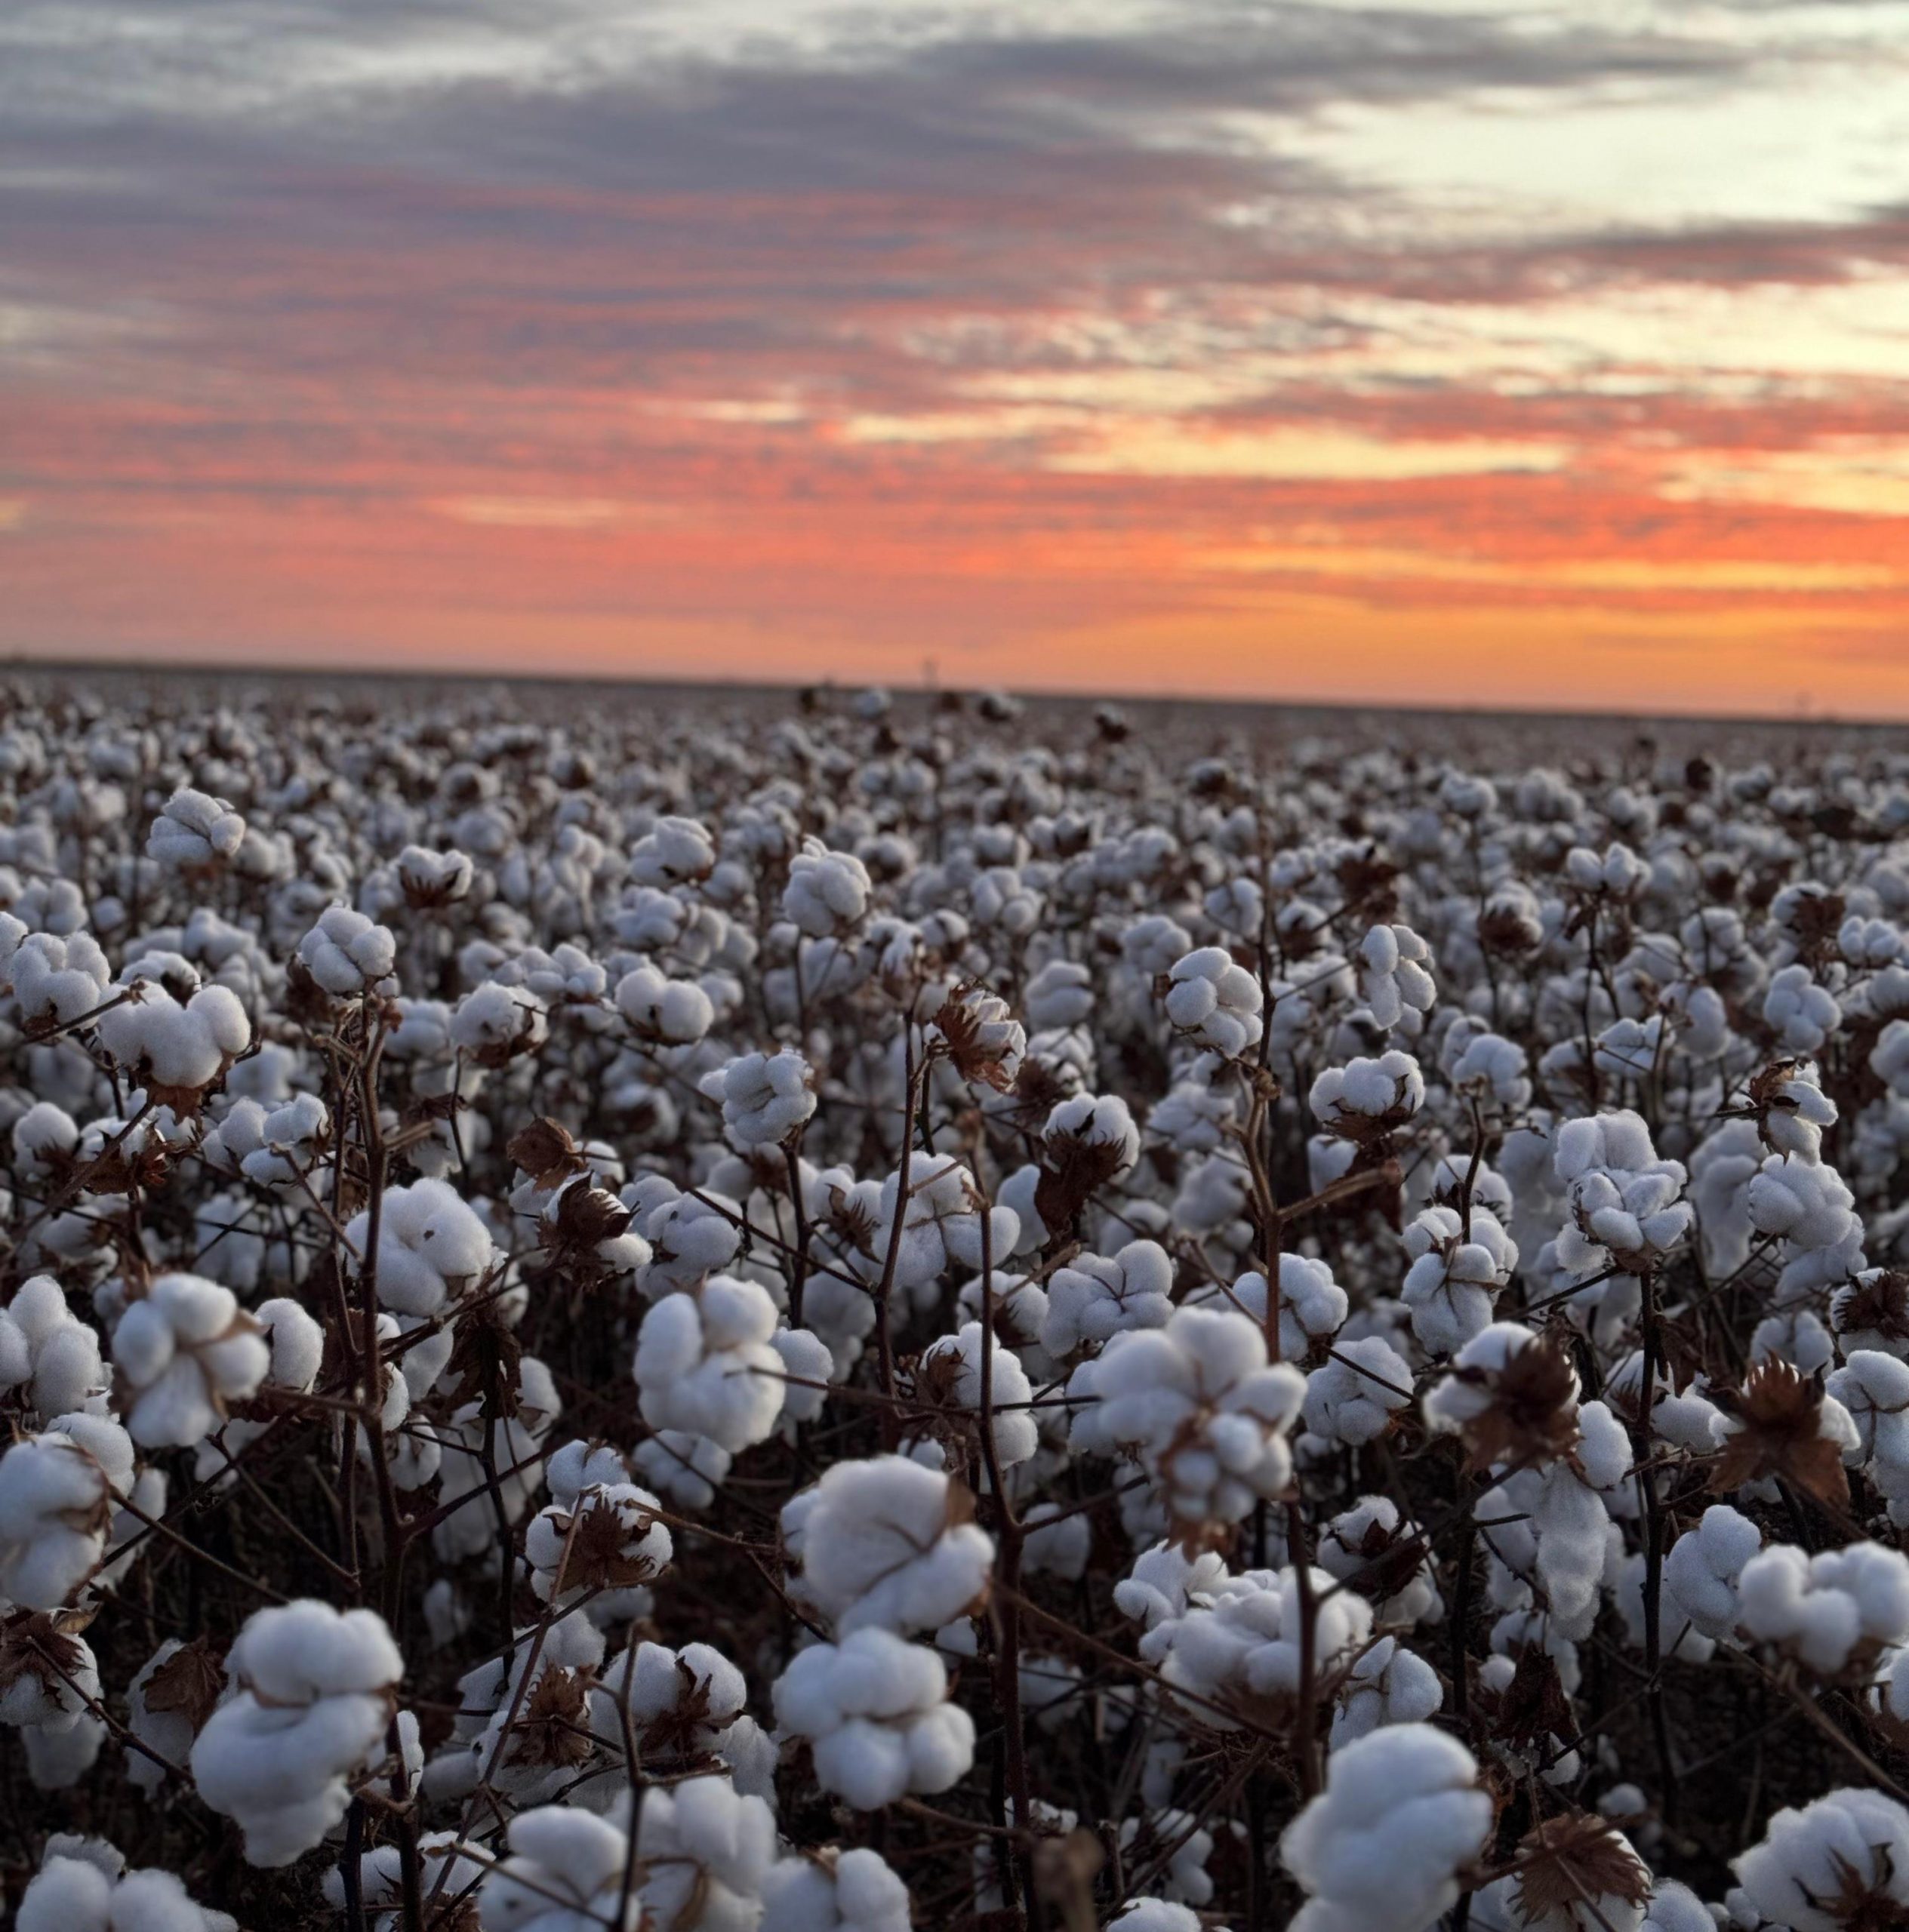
(1511, 354)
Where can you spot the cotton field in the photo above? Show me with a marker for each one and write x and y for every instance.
(653, 1311)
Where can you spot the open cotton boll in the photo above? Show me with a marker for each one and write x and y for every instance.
(347, 954)
(83, 1886)
(1215, 1001)
(1368, 1097)
(58, 1491)
(444, 1870)
(764, 1097)
(1197, 1404)
(705, 1850)
(1705, 1565)
(565, 1874)
(605, 1536)
(194, 833)
(828, 892)
(886, 1542)
(1810, 1208)
(1841, 1862)
(56, 980)
(1456, 1275)
(1380, 1849)
(1154, 1916)
(808, 1369)
(1312, 1304)
(674, 851)
(185, 1349)
(1395, 976)
(313, 1702)
(48, 1350)
(1827, 1608)
(705, 1363)
(1164, 1580)
(1246, 1642)
(1387, 1685)
(873, 1710)
(948, 1377)
(184, 1681)
(685, 1469)
(172, 1050)
(834, 1891)
(1095, 1297)
(1802, 1014)
(1352, 1398)
(985, 1043)
(1365, 1546)
(432, 1246)
(670, 1013)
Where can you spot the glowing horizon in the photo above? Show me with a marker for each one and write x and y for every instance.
(1491, 355)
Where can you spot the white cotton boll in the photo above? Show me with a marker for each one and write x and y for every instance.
(1312, 1305)
(706, 1850)
(1874, 1388)
(1802, 1014)
(493, 1024)
(185, 1349)
(809, 1368)
(1350, 1100)
(1456, 1275)
(1096, 1297)
(193, 832)
(1495, 1069)
(1061, 994)
(1101, 1123)
(1705, 1565)
(605, 1536)
(83, 1886)
(312, 1705)
(289, 1140)
(874, 1711)
(1394, 974)
(671, 1013)
(58, 1756)
(886, 1542)
(1196, 1404)
(686, 1470)
(827, 892)
(836, 1891)
(57, 1492)
(347, 953)
(764, 1097)
(1059, 1541)
(1808, 1205)
(1870, 1312)
(46, 1347)
(1380, 1850)
(56, 980)
(705, 1363)
(1388, 1684)
(949, 1375)
(1352, 1398)
(1164, 1580)
(1676, 1907)
(1366, 1546)
(1215, 1002)
(171, 1048)
(689, 1239)
(674, 851)
(433, 1247)
(1820, 1867)
(1821, 1608)
(1245, 1641)
(169, 1732)
(565, 1873)
(1457, 1400)
(297, 1343)
(431, 880)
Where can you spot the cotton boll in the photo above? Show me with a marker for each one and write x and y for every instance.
(685, 1468)
(57, 1494)
(1387, 1685)
(670, 1013)
(765, 1097)
(194, 832)
(1352, 1398)
(48, 1350)
(949, 1377)
(1197, 1404)
(873, 1710)
(1380, 1850)
(312, 1705)
(1096, 1297)
(432, 1246)
(887, 1543)
(346, 954)
(1457, 1272)
(605, 1536)
(83, 1886)
(1394, 978)
(705, 1363)
(176, 1050)
(836, 1891)
(827, 892)
(1705, 1565)
(55, 980)
(185, 1349)
(1312, 1305)
(1818, 1869)
(1215, 1001)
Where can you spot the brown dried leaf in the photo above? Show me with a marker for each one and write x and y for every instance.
(597, 1559)
(189, 1682)
(973, 1060)
(1073, 1171)
(1780, 1412)
(553, 1727)
(1533, 1415)
(545, 1151)
(1573, 1860)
